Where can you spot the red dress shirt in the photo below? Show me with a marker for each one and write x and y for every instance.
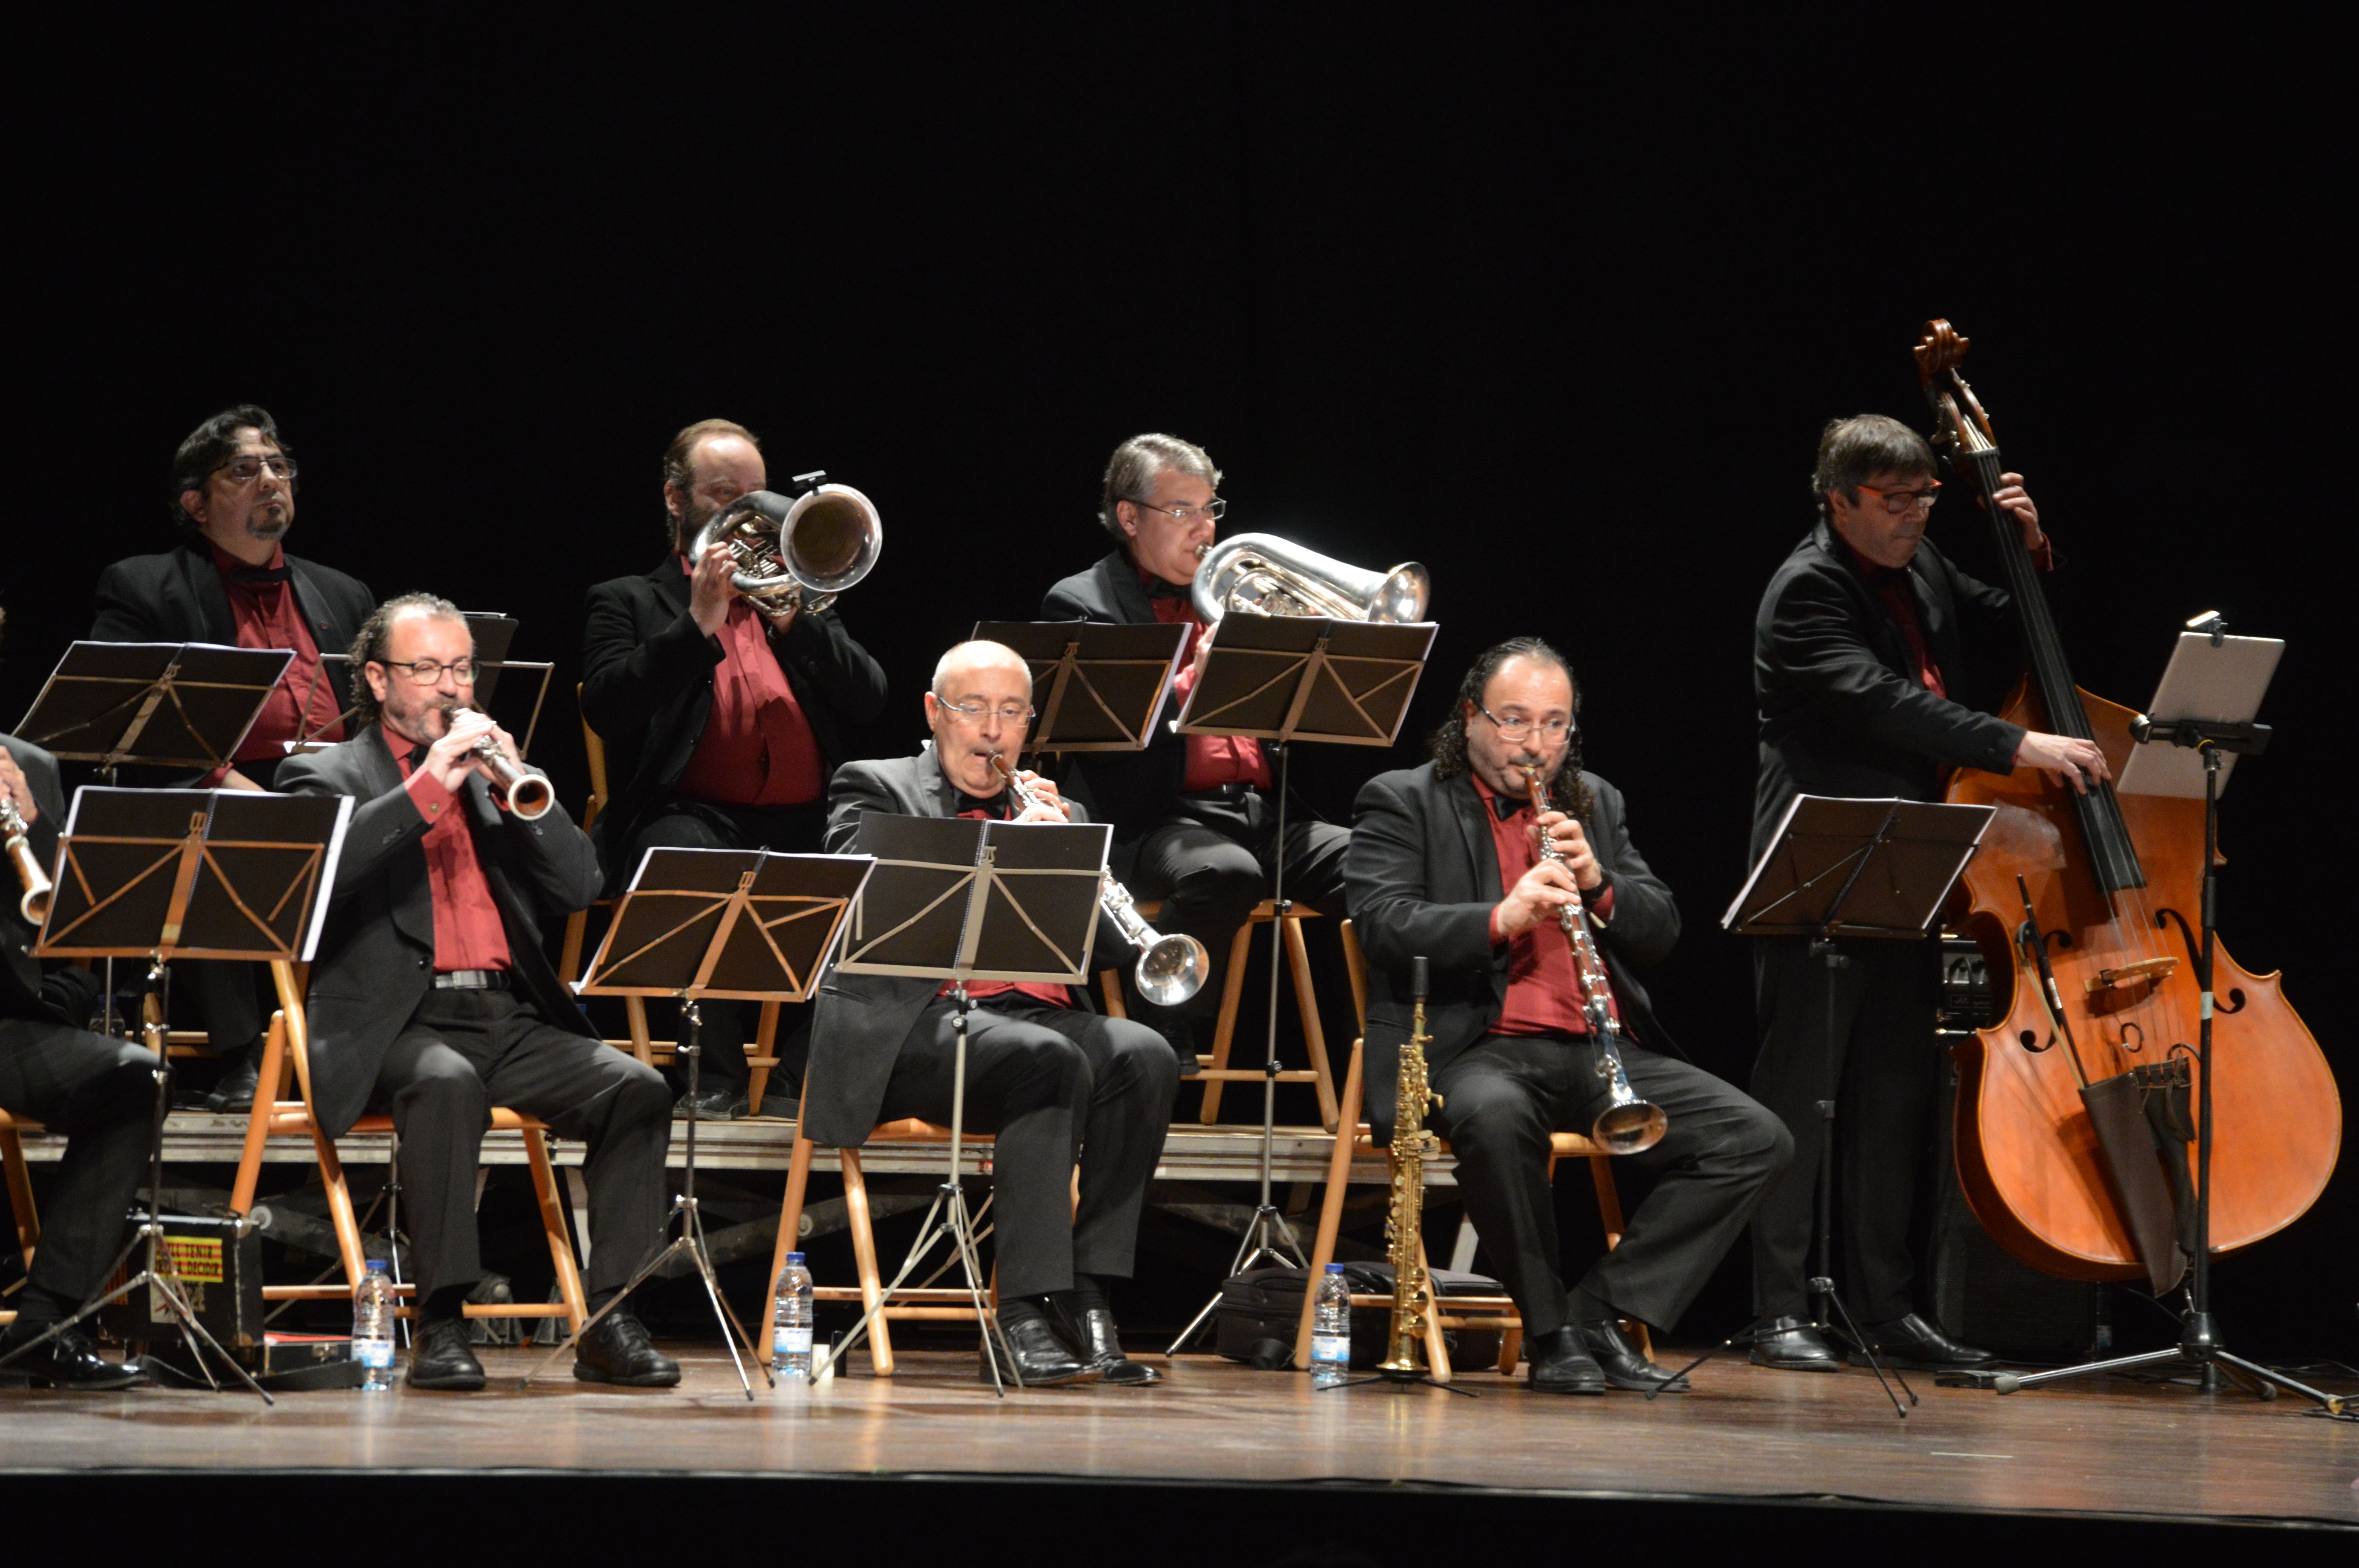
(1039, 990)
(1544, 993)
(266, 616)
(758, 748)
(467, 930)
(1213, 760)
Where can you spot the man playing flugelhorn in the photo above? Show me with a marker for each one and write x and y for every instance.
(1446, 862)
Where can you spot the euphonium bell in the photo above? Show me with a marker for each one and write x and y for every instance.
(820, 543)
(1261, 574)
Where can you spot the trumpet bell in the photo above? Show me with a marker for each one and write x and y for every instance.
(1173, 970)
(1629, 1128)
(1261, 574)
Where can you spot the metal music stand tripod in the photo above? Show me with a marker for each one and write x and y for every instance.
(1284, 678)
(1838, 869)
(953, 899)
(745, 925)
(164, 874)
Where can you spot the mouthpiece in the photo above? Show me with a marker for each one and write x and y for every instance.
(1416, 977)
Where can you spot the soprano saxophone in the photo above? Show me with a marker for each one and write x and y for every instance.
(35, 905)
(1405, 1222)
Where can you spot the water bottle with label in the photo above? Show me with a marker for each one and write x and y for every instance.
(373, 1326)
(1331, 1330)
(790, 1335)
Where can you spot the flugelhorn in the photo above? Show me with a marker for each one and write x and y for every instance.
(34, 904)
(1627, 1124)
(527, 794)
(1170, 968)
(820, 543)
(1261, 574)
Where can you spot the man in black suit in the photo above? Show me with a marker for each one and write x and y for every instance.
(230, 580)
(431, 996)
(722, 720)
(1864, 672)
(1048, 1077)
(1194, 824)
(97, 1091)
(1445, 865)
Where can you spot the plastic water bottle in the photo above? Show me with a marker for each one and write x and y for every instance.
(373, 1326)
(1331, 1330)
(790, 1335)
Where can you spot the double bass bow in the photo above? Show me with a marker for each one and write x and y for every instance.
(2074, 1110)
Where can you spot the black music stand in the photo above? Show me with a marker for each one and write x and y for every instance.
(956, 898)
(1843, 868)
(1095, 687)
(493, 634)
(1285, 678)
(747, 925)
(162, 874)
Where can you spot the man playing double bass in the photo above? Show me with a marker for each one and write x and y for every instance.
(1863, 669)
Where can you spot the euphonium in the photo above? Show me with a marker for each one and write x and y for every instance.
(1170, 968)
(528, 793)
(822, 541)
(34, 904)
(1627, 1124)
(1405, 1220)
(1261, 574)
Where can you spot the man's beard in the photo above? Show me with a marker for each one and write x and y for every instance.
(269, 524)
(692, 520)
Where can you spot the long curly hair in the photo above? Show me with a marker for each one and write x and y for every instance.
(1448, 744)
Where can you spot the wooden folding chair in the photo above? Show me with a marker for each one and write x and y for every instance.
(287, 1046)
(20, 1190)
(761, 1052)
(1461, 1312)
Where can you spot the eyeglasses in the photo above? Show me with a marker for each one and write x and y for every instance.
(1517, 730)
(1900, 503)
(245, 471)
(1216, 511)
(976, 712)
(426, 672)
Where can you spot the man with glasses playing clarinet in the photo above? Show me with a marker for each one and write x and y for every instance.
(1044, 1074)
(230, 581)
(1862, 669)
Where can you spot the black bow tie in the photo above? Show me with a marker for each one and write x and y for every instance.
(1506, 806)
(417, 756)
(259, 574)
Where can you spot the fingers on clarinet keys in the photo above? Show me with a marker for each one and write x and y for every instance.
(618, 1350)
(70, 1361)
(1042, 1360)
(1912, 1342)
(441, 1359)
(1790, 1345)
(1561, 1364)
(1624, 1365)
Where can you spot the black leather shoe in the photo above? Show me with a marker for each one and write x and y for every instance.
(1561, 1364)
(726, 1103)
(618, 1351)
(1911, 1342)
(1099, 1344)
(1791, 1345)
(439, 1358)
(70, 1361)
(234, 1094)
(1622, 1362)
(1041, 1359)
(1179, 1033)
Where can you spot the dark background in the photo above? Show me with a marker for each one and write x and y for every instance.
(1556, 308)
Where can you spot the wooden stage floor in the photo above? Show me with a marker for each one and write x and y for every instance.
(2111, 1449)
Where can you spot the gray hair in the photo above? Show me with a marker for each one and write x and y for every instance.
(965, 652)
(1130, 474)
(375, 634)
(1853, 451)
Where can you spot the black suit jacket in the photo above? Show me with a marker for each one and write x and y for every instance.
(30, 989)
(1422, 876)
(861, 1020)
(646, 689)
(375, 961)
(1840, 711)
(1133, 790)
(177, 597)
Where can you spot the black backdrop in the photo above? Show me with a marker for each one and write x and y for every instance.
(1556, 308)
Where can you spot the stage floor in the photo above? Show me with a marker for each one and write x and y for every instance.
(2111, 1449)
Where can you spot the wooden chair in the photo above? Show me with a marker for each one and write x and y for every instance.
(1232, 985)
(761, 1052)
(1465, 1312)
(20, 1190)
(288, 1047)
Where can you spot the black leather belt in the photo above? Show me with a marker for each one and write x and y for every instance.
(1222, 792)
(471, 981)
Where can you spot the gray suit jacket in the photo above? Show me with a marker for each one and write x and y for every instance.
(375, 961)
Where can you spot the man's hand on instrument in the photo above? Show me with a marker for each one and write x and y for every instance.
(2018, 504)
(1535, 899)
(1050, 806)
(2063, 760)
(709, 591)
(14, 787)
(1573, 845)
(452, 758)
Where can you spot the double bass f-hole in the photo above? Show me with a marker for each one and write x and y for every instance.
(2167, 916)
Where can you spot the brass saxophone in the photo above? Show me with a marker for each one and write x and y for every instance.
(1404, 1224)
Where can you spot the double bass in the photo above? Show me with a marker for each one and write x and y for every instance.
(2076, 1108)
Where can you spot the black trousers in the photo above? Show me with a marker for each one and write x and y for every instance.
(466, 1052)
(100, 1094)
(1888, 1070)
(1216, 857)
(686, 824)
(1053, 1086)
(1503, 1095)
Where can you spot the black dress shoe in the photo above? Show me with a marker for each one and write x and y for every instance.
(1561, 1364)
(440, 1358)
(1041, 1359)
(726, 1103)
(1179, 1033)
(70, 1361)
(1622, 1362)
(1791, 1345)
(619, 1351)
(1099, 1346)
(234, 1093)
(1911, 1342)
